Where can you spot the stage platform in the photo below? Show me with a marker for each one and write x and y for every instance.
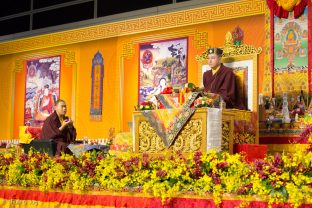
(281, 140)
(29, 198)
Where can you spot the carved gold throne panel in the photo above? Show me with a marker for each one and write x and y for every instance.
(192, 137)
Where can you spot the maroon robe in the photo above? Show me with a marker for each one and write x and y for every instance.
(223, 82)
(50, 130)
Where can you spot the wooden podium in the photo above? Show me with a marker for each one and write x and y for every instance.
(191, 138)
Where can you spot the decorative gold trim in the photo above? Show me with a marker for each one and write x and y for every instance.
(226, 137)
(69, 57)
(241, 115)
(128, 49)
(206, 14)
(230, 50)
(267, 77)
(18, 65)
(13, 70)
(120, 78)
(74, 90)
(200, 40)
(191, 138)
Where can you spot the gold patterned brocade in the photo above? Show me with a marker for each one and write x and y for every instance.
(192, 137)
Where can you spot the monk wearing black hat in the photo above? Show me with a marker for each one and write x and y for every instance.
(221, 80)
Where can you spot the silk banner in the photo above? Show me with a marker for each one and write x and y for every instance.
(97, 76)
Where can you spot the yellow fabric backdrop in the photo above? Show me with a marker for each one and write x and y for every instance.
(120, 74)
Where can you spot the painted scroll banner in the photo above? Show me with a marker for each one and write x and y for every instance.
(97, 76)
(42, 89)
(291, 51)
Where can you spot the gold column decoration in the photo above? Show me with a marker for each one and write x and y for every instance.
(128, 49)
(18, 65)
(267, 77)
(70, 61)
(13, 70)
(201, 40)
(225, 142)
(230, 10)
(244, 138)
(69, 58)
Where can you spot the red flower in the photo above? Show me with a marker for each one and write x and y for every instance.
(197, 172)
(216, 178)
(197, 158)
(277, 160)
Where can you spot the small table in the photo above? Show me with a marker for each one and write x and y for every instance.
(79, 149)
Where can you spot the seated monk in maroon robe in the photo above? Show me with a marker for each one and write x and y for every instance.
(59, 128)
(221, 80)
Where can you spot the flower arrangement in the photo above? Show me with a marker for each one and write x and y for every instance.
(278, 179)
(203, 102)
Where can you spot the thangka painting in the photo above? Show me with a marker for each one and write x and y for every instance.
(291, 54)
(42, 89)
(162, 64)
(97, 76)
